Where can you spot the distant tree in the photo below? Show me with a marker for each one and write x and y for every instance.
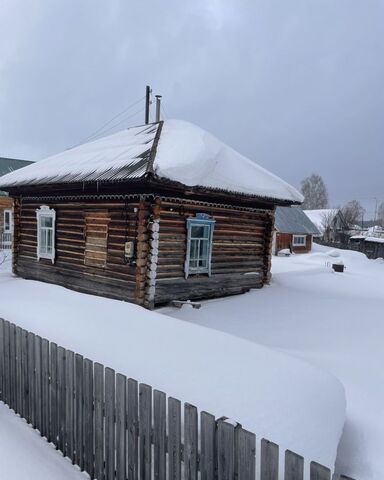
(380, 214)
(315, 193)
(352, 213)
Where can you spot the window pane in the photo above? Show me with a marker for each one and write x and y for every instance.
(197, 231)
(7, 221)
(46, 221)
(49, 241)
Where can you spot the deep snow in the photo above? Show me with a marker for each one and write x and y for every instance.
(333, 320)
(271, 393)
(24, 455)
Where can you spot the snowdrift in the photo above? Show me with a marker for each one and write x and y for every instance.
(272, 394)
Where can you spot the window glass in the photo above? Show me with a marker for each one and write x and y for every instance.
(7, 221)
(199, 246)
(46, 233)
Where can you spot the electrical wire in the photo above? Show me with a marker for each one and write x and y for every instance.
(100, 129)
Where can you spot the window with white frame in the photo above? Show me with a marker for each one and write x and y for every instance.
(7, 221)
(199, 244)
(46, 218)
(299, 240)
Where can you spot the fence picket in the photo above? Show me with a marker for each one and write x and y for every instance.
(208, 446)
(31, 377)
(174, 439)
(24, 375)
(133, 429)
(109, 424)
(99, 420)
(18, 378)
(53, 395)
(159, 434)
(2, 368)
(190, 442)
(294, 466)
(44, 387)
(61, 397)
(69, 383)
(319, 472)
(12, 366)
(37, 385)
(121, 430)
(245, 454)
(78, 415)
(88, 419)
(225, 451)
(7, 378)
(269, 460)
(145, 431)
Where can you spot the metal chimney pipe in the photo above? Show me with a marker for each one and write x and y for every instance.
(158, 102)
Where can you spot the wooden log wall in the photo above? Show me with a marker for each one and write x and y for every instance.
(115, 428)
(114, 278)
(240, 255)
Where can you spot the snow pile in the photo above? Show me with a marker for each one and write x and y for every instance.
(334, 321)
(270, 393)
(25, 455)
(185, 154)
(192, 156)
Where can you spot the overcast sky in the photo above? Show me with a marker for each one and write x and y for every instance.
(298, 85)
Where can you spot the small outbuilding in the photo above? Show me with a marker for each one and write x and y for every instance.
(293, 231)
(6, 203)
(151, 214)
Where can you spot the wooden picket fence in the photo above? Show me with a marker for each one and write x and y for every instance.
(113, 427)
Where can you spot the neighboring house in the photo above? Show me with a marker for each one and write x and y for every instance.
(293, 231)
(331, 224)
(150, 214)
(6, 203)
(370, 242)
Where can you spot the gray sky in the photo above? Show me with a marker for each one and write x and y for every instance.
(296, 85)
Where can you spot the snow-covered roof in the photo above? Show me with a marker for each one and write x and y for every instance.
(321, 216)
(174, 150)
(294, 220)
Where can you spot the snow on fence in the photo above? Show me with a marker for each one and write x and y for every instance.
(112, 427)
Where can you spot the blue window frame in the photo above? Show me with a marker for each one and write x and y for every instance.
(199, 245)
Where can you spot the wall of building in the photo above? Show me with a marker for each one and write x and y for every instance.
(117, 279)
(285, 240)
(240, 252)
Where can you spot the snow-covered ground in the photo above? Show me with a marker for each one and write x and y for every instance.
(333, 320)
(24, 455)
(272, 393)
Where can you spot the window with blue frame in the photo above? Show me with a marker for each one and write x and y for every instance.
(199, 244)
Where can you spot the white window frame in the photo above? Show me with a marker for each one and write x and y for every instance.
(202, 220)
(296, 244)
(46, 212)
(8, 212)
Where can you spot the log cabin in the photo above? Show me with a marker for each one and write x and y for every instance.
(151, 214)
(294, 231)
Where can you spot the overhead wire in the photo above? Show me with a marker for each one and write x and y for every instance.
(102, 127)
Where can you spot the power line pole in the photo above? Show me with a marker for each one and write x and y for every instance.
(147, 103)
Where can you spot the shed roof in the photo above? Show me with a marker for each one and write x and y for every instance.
(8, 165)
(294, 220)
(173, 150)
(321, 217)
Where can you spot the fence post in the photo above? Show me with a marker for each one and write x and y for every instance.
(190, 442)
(133, 429)
(245, 454)
(208, 446)
(159, 434)
(109, 424)
(319, 472)
(121, 430)
(145, 431)
(99, 421)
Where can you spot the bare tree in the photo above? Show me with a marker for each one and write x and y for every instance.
(352, 213)
(315, 193)
(327, 219)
